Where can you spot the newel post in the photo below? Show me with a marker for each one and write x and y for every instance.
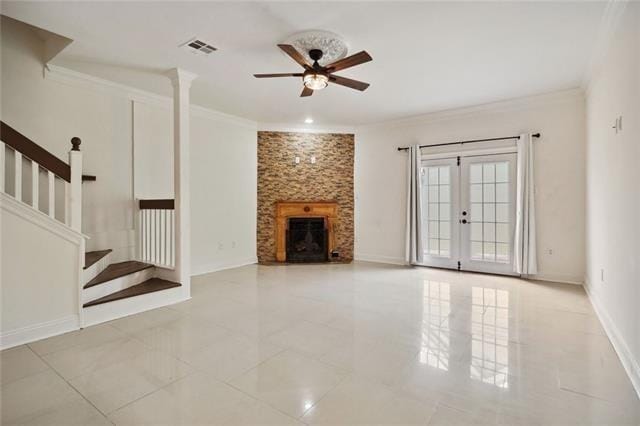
(75, 186)
(181, 81)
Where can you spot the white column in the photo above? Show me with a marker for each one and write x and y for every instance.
(181, 81)
(75, 186)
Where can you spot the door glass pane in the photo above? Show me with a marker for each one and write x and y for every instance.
(476, 193)
(489, 192)
(437, 210)
(502, 193)
(489, 198)
(476, 231)
(502, 233)
(502, 172)
(444, 178)
(475, 173)
(445, 230)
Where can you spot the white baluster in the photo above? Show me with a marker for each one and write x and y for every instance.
(35, 184)
(160, 233)
(148, 235)
(18, 174)
(51, 180)
(156, 234)
(140, 219)
(2, 166)
(165, 258)
(173, 237)
(67, 202)
(141, 233)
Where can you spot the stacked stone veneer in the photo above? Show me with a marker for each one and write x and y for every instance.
(280, 179)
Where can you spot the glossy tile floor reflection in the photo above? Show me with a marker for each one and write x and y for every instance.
(333, 344)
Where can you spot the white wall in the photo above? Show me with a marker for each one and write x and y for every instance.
(51, 113)
(39, 264)
(223, 192)
(613, 192)
(380, 175)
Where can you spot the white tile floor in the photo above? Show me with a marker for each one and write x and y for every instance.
(332, 344)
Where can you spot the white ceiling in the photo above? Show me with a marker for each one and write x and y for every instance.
(426, 56)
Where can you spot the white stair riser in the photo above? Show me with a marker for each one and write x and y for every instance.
(117, 284)
(132, 305)
(93, 271)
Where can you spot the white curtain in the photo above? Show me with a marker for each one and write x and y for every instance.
(525, 261)
(414, 253)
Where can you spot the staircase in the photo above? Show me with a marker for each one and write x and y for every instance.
(112, 290)
(106, 290)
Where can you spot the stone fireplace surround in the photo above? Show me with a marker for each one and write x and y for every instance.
(328, 210)
(282, 179)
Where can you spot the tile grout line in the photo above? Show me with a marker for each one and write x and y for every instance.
(70, 385)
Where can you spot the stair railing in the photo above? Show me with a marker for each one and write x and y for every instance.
(156, 232)
(25, 187)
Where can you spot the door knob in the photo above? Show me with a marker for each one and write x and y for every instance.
(464, 213)
(464, 221)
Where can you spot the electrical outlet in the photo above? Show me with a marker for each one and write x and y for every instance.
(220, 246)
(550, 252)
(618, 125)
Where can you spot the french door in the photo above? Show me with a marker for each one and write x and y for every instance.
(468, 212)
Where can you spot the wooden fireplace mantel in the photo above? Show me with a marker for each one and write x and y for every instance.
(287, 209)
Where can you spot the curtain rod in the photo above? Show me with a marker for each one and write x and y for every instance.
(535, 135)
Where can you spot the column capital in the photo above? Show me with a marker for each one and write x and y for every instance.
(180, 78)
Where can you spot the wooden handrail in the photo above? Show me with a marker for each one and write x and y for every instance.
(157, 204)
(34, 152)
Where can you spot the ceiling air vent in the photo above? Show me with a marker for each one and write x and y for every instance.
(199, 46)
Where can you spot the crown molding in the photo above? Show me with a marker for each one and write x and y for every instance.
(77, 79)
(614, 10)
(181, 78)
(305, 128)
(569, 95)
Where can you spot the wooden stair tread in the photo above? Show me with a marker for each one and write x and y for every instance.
(117, 270)
(92, 257)
(149, 286)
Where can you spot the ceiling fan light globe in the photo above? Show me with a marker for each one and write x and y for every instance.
(315, 81)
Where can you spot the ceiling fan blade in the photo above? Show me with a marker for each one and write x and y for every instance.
(353, 84)
(306, 92)
(349, 61)
(278, 75)
(295, 55)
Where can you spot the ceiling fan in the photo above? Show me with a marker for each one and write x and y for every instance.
(317, 77)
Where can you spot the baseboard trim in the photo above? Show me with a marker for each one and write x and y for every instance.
(564, 279)
(379, 259)
(631, 365)
(220, 266)
(39, 331)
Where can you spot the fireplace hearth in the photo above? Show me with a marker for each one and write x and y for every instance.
(307, 240)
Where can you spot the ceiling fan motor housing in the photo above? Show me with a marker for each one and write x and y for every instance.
(315, 54)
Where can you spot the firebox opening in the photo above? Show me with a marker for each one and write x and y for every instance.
(307, 240)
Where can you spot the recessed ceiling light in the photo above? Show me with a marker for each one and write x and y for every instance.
(308, 120)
